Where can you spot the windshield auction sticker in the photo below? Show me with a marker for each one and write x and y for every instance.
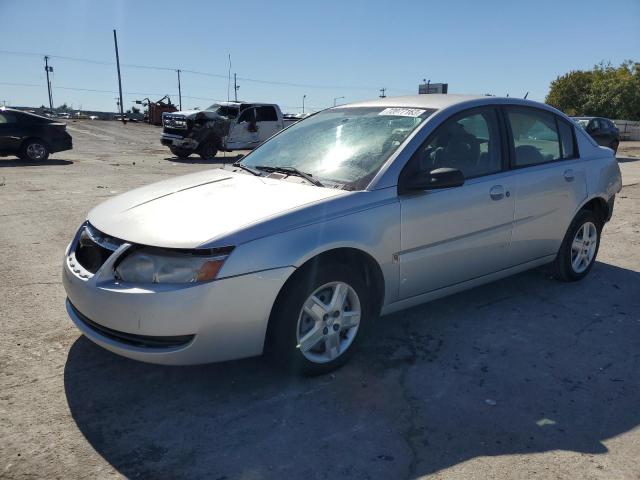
(402, 112)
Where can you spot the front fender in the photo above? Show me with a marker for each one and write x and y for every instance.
(375, 231)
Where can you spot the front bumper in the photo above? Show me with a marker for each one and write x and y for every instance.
(173, 324)
(171, 140)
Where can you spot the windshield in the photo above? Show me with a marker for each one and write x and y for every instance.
(583, 122)
(345, 147)
(224, 110)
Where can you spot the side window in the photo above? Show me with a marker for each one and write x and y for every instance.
(567, 137)
(247, 115)
(535, 136)
(469, 142)
(594, 125)
(266, 114)
(6, 117)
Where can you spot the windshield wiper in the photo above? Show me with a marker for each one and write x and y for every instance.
(291, 171)
(248, 169)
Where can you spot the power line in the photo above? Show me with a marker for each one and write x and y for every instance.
(207, 74)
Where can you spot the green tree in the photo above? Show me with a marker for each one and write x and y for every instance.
(605, 91)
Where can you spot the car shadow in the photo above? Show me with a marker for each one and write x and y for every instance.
(197, 160)
(627, 159)
(28, 163)
(523, 365)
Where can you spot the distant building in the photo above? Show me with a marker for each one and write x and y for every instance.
(428, 87)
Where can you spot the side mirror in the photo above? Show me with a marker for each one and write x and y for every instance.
(438, 178)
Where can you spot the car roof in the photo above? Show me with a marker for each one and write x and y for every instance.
(440, 101)
(22, 112)
(434, 100)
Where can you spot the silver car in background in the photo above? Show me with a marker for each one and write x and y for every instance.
(358, 211)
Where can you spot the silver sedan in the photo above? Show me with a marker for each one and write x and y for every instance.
(355, 212)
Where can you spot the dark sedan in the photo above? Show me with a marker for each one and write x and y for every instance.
(31, 137)
(602, 130)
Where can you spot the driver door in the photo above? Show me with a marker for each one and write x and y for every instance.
(451, 235)
(244, 133)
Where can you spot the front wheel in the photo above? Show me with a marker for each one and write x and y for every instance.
(208, 151)
(579, 248)
(180, 152)
(320, 318)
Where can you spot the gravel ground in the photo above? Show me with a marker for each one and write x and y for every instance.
(522, 378)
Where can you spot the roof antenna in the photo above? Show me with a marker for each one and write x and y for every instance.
(526, 95)
(229, 78)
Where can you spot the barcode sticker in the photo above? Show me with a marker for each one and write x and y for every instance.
(402, 112)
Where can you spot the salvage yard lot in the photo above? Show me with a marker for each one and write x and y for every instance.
(521, 378)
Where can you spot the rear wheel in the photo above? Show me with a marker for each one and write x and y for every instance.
(319, 319)
(180, 152)
(34, 150)
(579, 248)
(208, 150)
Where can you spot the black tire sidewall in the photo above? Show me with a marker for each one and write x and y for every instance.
(564, 267)
(286, 312)
(208, 151)
(180, 152)
(24, 155)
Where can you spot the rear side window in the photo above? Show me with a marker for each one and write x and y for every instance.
(535, 136)
(267, 114)
(6, 117)
(567, 139)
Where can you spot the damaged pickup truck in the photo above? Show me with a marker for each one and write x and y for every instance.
(224, 126)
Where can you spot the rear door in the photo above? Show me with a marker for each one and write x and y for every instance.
(457, 234)
(597, 130)
(551, 181)
(268, 122)
(10, 134)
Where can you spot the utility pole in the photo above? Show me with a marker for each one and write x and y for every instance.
(382, 90)
(236, 87)
(179, 90)
(48, 69)
(115, 41)
(303, 97)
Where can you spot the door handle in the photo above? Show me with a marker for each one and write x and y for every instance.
(497, 192)
(569, 175)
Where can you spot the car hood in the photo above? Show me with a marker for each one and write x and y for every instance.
(191, 210)
(193, 113)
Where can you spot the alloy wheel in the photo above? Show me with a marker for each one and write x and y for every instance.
(36, 151)
(328, 322)
(583, 247)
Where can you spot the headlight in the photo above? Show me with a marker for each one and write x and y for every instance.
(156, 266)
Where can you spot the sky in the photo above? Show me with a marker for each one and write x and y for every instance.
(282, 51)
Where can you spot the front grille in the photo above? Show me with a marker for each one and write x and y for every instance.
(146, 341)
(94, 248)
(183, 132)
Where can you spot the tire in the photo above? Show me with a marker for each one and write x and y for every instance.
(34, 150)
(330, 342)
(180, 152)
(566, 266)
(614, 146)
(208, 151)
